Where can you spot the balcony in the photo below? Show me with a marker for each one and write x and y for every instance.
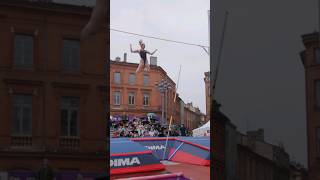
(70, 143)
(21, 141)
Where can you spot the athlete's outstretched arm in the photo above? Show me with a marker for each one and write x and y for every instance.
(152, 52)
(133, 51)
(98, 17)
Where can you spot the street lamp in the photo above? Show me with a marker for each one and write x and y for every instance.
(163, 86)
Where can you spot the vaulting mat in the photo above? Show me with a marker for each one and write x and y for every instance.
(130, 157)
(192, 150)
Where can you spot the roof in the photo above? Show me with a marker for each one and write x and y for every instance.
(122, 63)
(310, 38)
(42, 5)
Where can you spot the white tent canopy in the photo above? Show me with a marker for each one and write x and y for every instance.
(201, 131)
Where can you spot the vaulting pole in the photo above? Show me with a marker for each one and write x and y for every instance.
(171, 117)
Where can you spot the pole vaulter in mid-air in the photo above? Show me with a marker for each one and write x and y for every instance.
(143, 54)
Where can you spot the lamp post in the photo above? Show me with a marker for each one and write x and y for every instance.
(163, 86)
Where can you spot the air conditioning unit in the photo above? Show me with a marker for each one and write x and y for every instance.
(153, 60)
(118, 59)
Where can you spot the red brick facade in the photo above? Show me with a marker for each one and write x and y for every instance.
(218, 140)
(46, 82)
(182, 113)
(310, 58)
(252, 166)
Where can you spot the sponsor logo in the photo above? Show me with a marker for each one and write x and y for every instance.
(129, 161)
(156, 147)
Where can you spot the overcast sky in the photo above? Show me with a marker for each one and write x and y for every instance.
(261, 81)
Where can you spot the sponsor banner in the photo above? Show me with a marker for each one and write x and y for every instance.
(132, 160)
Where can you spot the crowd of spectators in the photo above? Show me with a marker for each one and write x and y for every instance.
(144, 128)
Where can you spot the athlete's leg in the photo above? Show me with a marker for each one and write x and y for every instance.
(147, 66)
(140, 66)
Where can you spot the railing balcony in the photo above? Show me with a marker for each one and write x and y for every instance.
(21, 141)
(69, 142)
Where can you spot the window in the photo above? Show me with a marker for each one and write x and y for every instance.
(21, 115)
(69, 116)
(318, 140)
(317, 94)
(146, 99)
(132, 78)
(131, 98)
(71, 55)
(117, 77)
(317, 55)
(145, 80)
(23, 51)
(116, 98)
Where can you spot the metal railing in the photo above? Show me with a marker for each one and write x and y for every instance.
(21, 141)
(69, 142)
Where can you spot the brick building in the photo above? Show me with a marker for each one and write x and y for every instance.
(311, 62)
(252, 166)
(298, 172)
(258, 159)
(218, 158)
(136, 95)
(193, 116)
(52, 88)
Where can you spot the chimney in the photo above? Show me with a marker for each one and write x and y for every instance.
(153, 60)
(125, 57)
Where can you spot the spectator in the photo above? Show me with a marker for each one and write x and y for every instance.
(144, 128)
(46, 172)
(182, 130)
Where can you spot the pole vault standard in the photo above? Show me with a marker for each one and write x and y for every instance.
(171, 116)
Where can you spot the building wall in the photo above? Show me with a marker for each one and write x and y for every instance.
(192, 116)
(275, 154)
(46, 82)
(177, 116)
(182, 112)
(312, 74)
(252, 166)
(231, 144)
(218, 138)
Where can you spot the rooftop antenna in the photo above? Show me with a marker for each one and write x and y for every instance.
(215, 77)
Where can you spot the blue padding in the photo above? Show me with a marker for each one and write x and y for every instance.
(203, 141)
(124, 145)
